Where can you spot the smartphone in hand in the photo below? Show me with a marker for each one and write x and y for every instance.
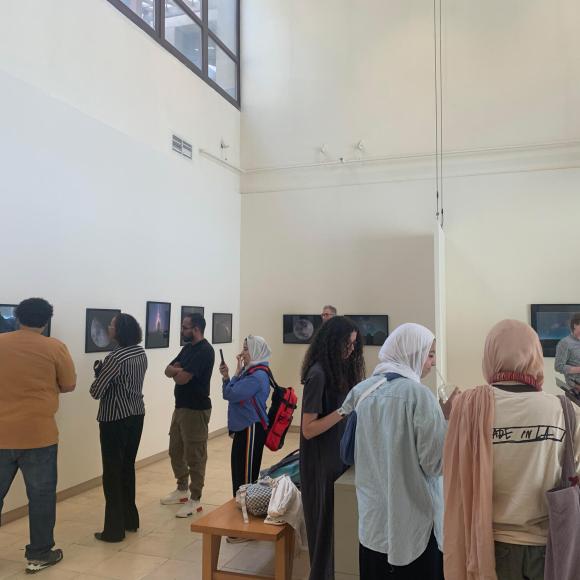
(222, 356)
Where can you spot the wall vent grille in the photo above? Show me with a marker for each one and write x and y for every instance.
(182, 147)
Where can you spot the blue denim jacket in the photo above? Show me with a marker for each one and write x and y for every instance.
(247, 395)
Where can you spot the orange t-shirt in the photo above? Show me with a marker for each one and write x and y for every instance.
(32, 367)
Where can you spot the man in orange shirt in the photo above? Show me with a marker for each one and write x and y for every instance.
(34, 370)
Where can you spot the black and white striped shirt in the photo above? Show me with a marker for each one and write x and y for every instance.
(119, 384)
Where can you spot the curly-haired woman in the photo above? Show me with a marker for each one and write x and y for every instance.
(333, 364)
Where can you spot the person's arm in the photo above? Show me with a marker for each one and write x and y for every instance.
(172, 369)
(312, 426)
(447, 407)
(66, 376)
(241, 388)
(430, 429)
(195, 366)
(561, 361)
(561, 357)
(108, 371)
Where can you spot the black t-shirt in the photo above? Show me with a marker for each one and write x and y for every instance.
(197, 359)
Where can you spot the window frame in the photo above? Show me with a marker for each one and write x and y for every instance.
(158, 34)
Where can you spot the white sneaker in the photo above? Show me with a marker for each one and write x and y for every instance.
(177, 496)
(190, 507)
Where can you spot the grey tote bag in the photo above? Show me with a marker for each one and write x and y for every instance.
(563, 549)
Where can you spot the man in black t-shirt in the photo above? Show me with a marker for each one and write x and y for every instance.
(188, 435)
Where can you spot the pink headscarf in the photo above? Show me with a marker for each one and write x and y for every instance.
(513, 353)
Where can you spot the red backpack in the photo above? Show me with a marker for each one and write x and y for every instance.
(283, 405)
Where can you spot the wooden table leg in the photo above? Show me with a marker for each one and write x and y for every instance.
(281, 558)
(291, 547)
(211, 554)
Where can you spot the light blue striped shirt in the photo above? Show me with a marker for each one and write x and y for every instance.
(398, 458)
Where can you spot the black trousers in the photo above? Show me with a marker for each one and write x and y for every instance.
(119, 445)
(428, 566)
(246, 459)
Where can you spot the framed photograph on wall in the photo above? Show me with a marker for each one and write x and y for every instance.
(374, 328)
(221, 332)
(185, 310)
(552, 323)
(8, 322)
(300, 328)
(97, 329)
(157, 324)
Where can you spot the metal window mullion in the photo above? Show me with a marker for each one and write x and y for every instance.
(160, 18)
(205, 38)
(238, 46)
(220, 43)
(189, 12)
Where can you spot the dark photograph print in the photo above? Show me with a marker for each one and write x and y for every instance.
(97, 329)
(221, 328)
(300, 328)
(157, 324)
(374, 328)
(8, 321)
(185, 310)
(552, 323)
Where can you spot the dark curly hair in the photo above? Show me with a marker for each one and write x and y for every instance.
(127, 330)
(328, 347)
(34, 312)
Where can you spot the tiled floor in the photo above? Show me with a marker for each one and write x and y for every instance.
(164, 547)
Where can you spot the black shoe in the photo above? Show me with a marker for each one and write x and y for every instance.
(131, 529)
(100, 537)
(54, 557)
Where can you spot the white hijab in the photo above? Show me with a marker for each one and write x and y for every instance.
(405, 351)
(259, 350)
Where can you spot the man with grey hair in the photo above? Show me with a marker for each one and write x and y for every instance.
(328, 312)
(568, 354)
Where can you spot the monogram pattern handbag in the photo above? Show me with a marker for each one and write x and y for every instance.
(254, 498)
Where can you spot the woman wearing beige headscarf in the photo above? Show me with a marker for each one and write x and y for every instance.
(503, 451)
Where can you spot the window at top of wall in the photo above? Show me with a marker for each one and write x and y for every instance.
(145, 9)
(196, 7)
(201, 34)
(183, 33)
(222, 69)
(223, 21)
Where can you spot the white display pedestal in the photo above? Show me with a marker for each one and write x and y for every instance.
(345, 528)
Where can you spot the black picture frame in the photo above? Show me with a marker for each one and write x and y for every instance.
(157, 324)
(9, 323)
(96, 329)
(552, 323)
(189, 310)
(374, 328)
(221, 328)
(300, 328)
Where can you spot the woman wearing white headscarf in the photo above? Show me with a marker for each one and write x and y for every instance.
(398, 455)
(247, 392)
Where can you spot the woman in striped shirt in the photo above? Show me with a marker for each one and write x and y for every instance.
(118, 386)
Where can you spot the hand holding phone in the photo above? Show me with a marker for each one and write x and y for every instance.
(222, 356)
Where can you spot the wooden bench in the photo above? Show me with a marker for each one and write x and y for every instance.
(227, 520)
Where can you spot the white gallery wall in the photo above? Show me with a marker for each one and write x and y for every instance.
(331, 73)
(304, 249)
(512, 240)
(97, 211)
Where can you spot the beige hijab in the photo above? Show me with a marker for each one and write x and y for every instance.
(513, 353)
